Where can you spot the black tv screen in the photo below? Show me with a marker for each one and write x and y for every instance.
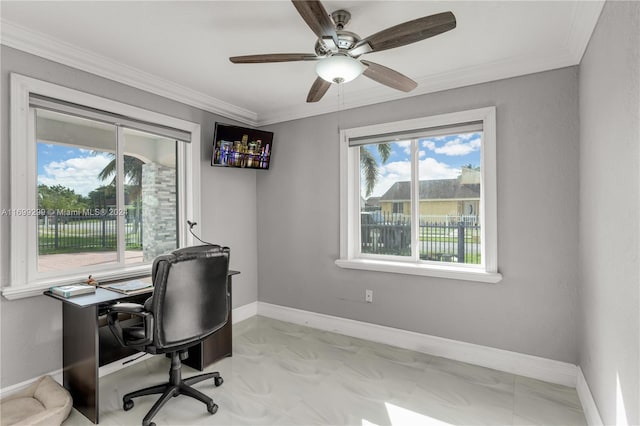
(235, 146)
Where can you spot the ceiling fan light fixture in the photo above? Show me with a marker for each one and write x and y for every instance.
(339, 69)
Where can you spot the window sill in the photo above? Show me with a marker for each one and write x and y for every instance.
(37, 288)
(452, 272)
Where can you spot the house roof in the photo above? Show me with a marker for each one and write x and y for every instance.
(439, 189)
(373, 201)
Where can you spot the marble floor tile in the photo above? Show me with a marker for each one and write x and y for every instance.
(455, 400)
(473, 373)
(286, 374)
(541, 403)
(405, 357)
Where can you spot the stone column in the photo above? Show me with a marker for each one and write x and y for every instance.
(159, 210)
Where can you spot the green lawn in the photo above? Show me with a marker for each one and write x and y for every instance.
(83, 243)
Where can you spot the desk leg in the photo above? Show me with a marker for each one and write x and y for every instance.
(214, 347)
(79, 358)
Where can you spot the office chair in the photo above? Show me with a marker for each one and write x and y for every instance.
(190, 301)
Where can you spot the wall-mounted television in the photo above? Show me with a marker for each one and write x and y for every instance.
(235, 146)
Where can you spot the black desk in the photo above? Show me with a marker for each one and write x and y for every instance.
(88, 344)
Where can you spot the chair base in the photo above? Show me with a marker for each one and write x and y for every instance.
(176, 386)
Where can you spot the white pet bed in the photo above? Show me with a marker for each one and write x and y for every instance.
(45, 402)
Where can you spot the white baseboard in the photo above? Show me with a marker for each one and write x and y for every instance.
(588, 403)
(512, 362)
(9, 390)
(244, 312)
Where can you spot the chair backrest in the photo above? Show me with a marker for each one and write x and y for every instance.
(190, 296)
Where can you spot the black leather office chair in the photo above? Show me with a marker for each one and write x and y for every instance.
(190, 301)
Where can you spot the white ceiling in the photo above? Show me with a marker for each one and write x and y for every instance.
(180, 49)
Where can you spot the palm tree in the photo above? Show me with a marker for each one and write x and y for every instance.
(132, 174)
(369, 165)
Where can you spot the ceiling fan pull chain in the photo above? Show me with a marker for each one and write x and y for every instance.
(339, 107)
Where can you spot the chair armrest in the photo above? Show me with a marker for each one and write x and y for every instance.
(132, 309)
(127, 308)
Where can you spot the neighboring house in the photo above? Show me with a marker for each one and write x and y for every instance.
(372, 203)
(440, 197)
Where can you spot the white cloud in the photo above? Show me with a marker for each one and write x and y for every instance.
(390, 173)
(458, 147)
(397, 168)
(461, 145)
(430, 168)
(467, 136)
(79, 174)
(429, 144)
(406, 145)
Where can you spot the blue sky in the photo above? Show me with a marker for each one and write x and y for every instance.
(439, 158)
(71, 167)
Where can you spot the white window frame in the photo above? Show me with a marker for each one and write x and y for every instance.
(25, 281)
(350, 201)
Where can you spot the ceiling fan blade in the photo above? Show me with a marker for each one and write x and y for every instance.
(388, 77)
(273, 57)
(318, 89)
(411, 31)
(316, 17)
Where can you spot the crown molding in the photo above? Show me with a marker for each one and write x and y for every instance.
(585, 18)
(584, 22)
(477, 74)
(27, 40)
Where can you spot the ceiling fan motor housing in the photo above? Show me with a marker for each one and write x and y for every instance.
(346, 40)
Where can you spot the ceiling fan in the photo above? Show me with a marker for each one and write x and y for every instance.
(338, 50)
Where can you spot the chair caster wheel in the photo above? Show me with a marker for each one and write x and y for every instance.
(212, 408)
(127, 405)
(218, 381)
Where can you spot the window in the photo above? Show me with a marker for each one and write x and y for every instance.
(419, 197)
(98, 187)
(397, 207)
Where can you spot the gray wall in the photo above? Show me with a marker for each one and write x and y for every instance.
(31, 339)
(609, 203)
(567, 166)
(532, 310)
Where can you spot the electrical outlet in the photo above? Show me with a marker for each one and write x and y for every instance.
(368, 296)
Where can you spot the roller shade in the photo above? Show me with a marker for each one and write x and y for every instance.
(69, 108)
(470, 127)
